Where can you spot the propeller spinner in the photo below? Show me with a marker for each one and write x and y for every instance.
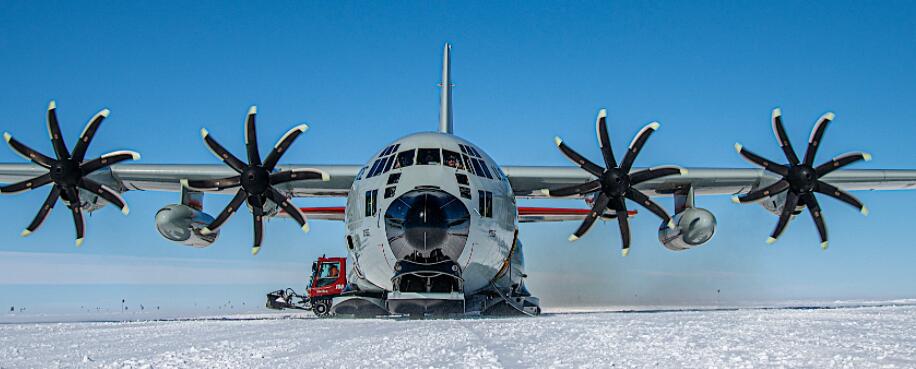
(68, 172)
(256, 179)
(801, 179)
(615, 182)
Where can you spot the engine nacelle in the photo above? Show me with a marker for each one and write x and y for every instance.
(182, 224)
(693, 227)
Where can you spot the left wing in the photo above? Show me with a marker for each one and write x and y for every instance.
(529, 181)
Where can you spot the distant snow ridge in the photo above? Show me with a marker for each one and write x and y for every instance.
(822, 337)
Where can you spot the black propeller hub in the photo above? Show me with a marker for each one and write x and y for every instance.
(66, 172)
(615, 182)
(255, 180)
(802, 178)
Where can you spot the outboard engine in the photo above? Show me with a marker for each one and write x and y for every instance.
(182, 224)
(694, 227)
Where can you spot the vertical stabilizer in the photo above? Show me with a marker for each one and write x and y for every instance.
(445, 103)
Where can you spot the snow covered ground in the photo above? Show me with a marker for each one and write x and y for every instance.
(882, 336)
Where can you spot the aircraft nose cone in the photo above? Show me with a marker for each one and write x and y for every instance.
(423, 221)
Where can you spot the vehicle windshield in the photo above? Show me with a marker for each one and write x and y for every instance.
(327, 274)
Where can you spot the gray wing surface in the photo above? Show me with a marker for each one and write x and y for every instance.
(168, 177)
(528, 181)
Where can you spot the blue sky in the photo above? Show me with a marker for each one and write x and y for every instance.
(364, 73)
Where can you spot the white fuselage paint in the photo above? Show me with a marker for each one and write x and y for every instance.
(490, 238)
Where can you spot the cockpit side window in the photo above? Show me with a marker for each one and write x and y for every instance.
(452, 159)
(467, 164)
(429, 157)
(405, 159)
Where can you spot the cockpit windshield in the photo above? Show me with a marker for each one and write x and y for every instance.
(452, 159)
(429, 157)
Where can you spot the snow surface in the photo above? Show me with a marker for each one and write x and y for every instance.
(849, 337)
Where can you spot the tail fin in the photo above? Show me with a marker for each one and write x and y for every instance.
(445, 103)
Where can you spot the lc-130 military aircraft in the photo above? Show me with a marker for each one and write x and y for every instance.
(431, 219)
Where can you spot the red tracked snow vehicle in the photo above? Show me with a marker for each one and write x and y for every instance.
(328, 280)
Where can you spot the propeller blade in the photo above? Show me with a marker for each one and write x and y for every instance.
(26, 152)
(579, 189)
(105, 193)
(57, 140)
(604, 140)
(108, 159)
(580, 160)
(597, 210)
(298, 175)
(43, 212)
(226, 213)
(787, 210)
(644, 201)
(783, 138)
(251, 137)
(623, 220)
(816, 134)
(282, 145)
(841, 161)
(218, 184)
(656, 172)
(257, 209)
(815, 210)
(773, 189)
(79, 151)
(289, 208)
(761, 161)
(77, 211)
(834, 192)
(222, 153)
(637, 144)
(29, 184)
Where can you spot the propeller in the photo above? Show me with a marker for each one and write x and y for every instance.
(256, 179)
(68, 172)
(801, 179)
(615, 182)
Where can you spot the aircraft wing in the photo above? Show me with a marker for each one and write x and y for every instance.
(528, 181)
(168, 177)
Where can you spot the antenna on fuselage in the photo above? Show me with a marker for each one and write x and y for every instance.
(445, 102)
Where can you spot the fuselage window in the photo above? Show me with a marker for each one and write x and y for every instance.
(452, 159)
(467, 164)
(405, 159)
(461, 178)
(394, 178)
(371, 197)
(485, 203)
(429, 157)
(389, 191)
(465, 192)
